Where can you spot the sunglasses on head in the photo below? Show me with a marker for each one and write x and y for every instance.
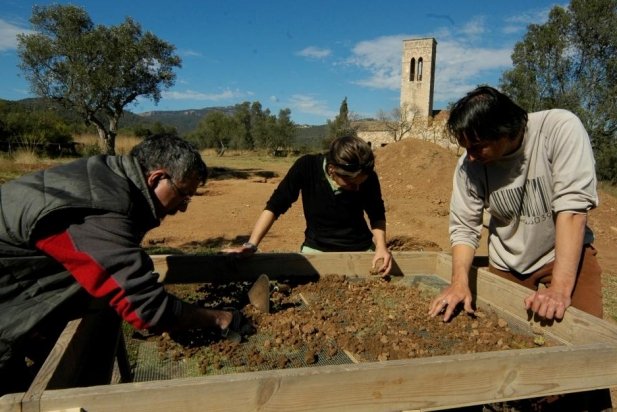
(355, 167)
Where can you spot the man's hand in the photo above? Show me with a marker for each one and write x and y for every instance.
(548, 303)
(448, 299)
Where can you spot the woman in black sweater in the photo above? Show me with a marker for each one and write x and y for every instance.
(337, 188)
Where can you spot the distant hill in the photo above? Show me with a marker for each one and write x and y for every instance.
(184, 121)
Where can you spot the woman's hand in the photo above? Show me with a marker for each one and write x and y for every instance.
(384, 257)
(246, 249)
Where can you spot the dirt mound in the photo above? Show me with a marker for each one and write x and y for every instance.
(416, 182)
(413, 167)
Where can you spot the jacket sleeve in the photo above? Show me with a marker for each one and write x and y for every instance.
(103, 253)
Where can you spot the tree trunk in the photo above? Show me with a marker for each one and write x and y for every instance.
(107, 141)
(110, 143)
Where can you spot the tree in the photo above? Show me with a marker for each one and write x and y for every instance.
(28, 128)
(215, 129)
(262, 124)
(399, 121)
(242, 115)
(95, 70)
(285, 129)
(158, 127)
(570, 62)
(341, 125)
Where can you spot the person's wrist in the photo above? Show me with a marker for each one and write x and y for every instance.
(250, 245)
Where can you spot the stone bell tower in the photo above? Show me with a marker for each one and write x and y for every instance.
(418, 76)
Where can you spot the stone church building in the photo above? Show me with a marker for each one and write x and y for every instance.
(416, 115)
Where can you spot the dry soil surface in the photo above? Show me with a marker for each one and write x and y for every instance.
(416, 180)
(319, 322)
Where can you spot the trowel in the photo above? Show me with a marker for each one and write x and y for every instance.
(259, 294)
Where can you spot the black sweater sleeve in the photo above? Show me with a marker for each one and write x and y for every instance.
(288, 190)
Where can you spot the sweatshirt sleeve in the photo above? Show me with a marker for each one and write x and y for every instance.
(104, 256)
(572, 163)
(466, 208)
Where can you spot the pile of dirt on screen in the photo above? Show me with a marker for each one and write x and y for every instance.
(334, 320)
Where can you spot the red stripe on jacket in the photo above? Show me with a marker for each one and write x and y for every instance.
(90, 275)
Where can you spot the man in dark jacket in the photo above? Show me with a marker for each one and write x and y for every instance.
(71, 234)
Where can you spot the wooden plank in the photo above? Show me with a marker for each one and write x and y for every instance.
(90, 358)
(443, 267)
(31, 399)
(230, 268)
(427, 384)
(83, 355)
(11, 402)
(577, 327)
(587, 361)
(70, 410)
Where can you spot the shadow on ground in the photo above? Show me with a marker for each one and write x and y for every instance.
(222, 173)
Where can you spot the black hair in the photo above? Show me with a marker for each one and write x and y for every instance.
(485, 114)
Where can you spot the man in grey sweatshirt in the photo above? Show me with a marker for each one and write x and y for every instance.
(534, 174)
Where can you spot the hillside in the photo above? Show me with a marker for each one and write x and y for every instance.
(184, 121)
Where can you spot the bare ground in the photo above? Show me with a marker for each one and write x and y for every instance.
(416, 179)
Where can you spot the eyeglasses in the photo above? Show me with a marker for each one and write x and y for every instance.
(182, 193)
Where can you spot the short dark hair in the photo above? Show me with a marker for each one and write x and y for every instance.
(172, 153)
(351, 153)
(485, 114)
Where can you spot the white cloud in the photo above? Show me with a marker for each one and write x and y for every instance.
(314, 52)
(200, 96)
(519, 22)
(460, 66)
(513, 28)
(475, 27)
(8, 35)
(461, 63)
(381, 57)
(190, 53)
(309, 105)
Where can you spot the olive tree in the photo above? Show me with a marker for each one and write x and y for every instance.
(92, 69)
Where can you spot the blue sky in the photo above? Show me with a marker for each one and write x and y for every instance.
(303, 55)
